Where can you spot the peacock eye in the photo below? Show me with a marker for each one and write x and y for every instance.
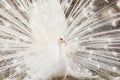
(61, 39)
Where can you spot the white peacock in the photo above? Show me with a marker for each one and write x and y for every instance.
(42, 39)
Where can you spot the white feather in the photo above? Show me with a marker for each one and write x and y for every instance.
(42, 39)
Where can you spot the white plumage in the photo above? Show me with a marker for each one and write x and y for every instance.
(42, 39)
